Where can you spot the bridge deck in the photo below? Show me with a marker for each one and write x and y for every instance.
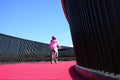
(39, 71)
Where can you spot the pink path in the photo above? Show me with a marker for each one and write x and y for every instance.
(39, 71)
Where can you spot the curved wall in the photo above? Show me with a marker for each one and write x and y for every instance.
(95, 30)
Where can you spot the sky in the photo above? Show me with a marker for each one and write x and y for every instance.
(35, 20)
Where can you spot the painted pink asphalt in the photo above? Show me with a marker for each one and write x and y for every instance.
(39, 71)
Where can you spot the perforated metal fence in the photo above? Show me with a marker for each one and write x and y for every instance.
(13, 49)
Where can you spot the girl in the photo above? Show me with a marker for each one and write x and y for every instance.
(54, 45)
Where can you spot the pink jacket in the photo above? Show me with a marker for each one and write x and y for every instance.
(54, 45)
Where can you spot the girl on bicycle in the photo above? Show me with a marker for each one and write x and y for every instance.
(54, 46)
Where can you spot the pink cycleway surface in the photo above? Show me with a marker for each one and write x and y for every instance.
(39, 71)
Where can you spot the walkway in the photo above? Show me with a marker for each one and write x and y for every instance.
(39, 71)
